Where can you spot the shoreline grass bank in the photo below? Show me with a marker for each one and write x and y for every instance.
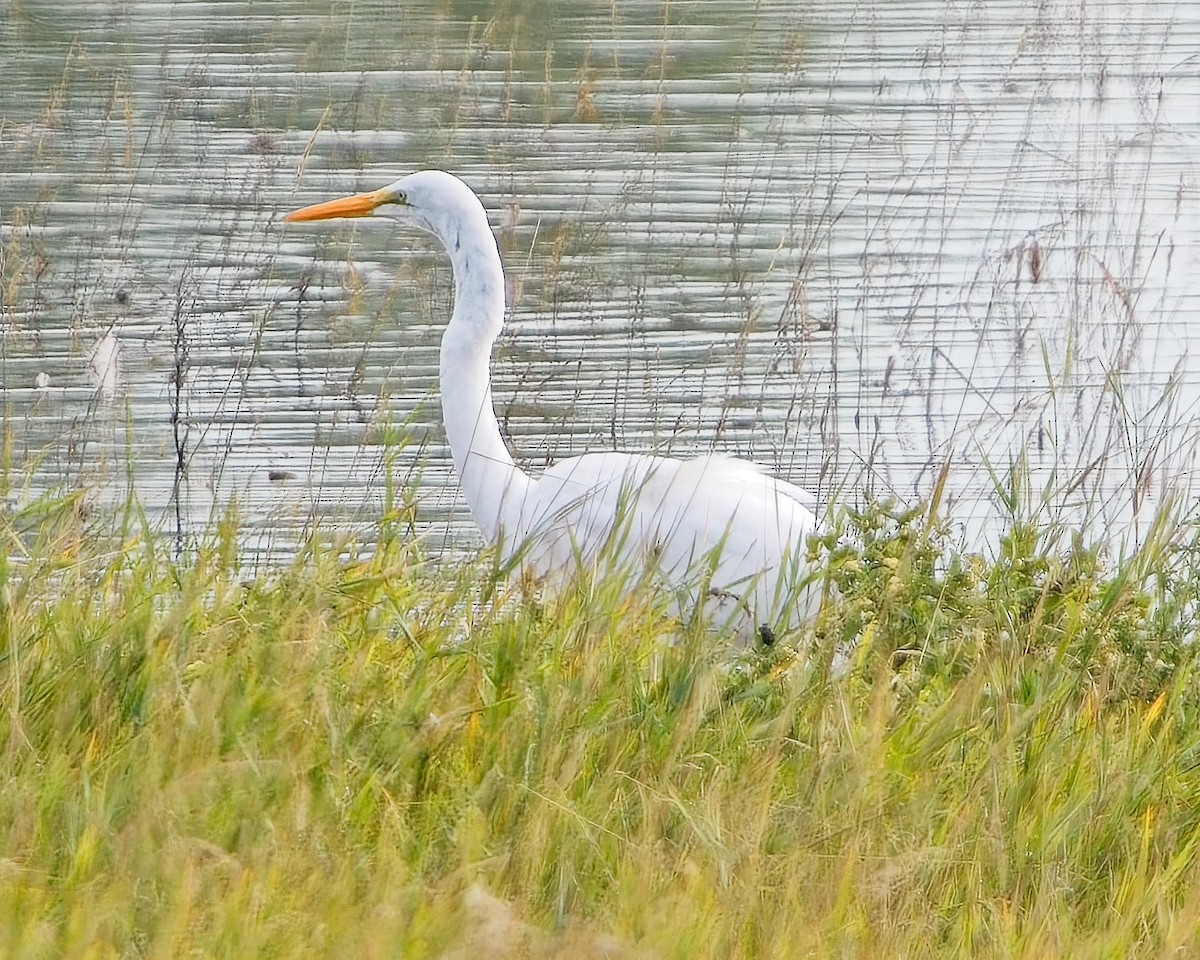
(339, 758)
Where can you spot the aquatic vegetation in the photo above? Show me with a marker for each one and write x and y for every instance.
(369, 754)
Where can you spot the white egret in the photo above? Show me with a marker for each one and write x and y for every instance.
(720, 533)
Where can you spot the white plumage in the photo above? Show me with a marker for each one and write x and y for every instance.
(718, 532)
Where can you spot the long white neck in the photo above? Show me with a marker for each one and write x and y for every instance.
(491, 483)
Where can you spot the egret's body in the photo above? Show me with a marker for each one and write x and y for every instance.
(720, 532)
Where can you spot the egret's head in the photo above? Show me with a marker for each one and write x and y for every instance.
(432, 200)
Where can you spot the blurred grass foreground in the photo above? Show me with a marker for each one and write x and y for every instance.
(368, 755)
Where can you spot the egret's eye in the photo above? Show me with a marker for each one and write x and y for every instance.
(400, 197)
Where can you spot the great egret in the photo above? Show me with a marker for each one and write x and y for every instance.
(720, 533)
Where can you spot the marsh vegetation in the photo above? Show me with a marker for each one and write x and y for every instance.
(350, 756)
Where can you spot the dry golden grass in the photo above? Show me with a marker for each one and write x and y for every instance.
(360, 757)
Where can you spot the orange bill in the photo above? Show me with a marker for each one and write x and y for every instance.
(359, 205)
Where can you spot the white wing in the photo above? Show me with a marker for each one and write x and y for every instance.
(722, 534)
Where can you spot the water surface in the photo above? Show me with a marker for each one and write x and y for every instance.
(852, 241)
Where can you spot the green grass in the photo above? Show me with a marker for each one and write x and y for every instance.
(337, 759)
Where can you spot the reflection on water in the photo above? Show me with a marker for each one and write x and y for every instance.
(850, 241)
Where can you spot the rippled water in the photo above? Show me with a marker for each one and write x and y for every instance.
(853, 241)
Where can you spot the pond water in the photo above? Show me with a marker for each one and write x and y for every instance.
(858, 242)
